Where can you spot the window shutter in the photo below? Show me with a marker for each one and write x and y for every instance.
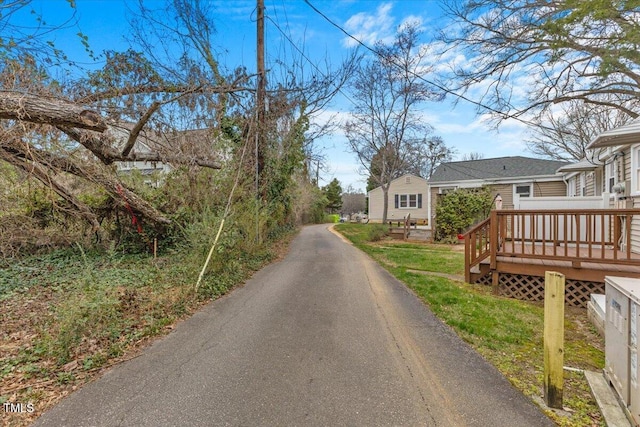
(396, 199)
(419, 200)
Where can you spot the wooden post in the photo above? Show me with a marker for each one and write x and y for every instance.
(469, 240)
(493, 239)
(495, 282)
(553, 338)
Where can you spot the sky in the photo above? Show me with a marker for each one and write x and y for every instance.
(287, 21)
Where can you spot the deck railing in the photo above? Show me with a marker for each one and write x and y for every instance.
(576, 235)
(477, 247)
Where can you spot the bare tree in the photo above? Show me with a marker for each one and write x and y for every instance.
(426, 155)
(474, 155)
(353, 201)
(565, 134)
(524, 56)
(385, 129)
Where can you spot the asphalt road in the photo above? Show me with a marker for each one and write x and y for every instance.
(324, 337)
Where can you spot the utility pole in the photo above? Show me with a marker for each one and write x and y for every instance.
(260, 113)
(260, 95)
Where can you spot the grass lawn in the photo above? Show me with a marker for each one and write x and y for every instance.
(506, 332)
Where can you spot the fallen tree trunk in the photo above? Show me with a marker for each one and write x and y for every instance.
(96, 134)
(12, 150)
(51, 111)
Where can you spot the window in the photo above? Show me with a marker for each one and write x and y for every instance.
(408, 201)
(571, 187)
(610, 176)
(597, 180)
(583, 185)
(524, 190)
(635, 169)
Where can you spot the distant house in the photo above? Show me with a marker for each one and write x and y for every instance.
(189, 143)
(407, 195)
(151, 171)
(511, 177)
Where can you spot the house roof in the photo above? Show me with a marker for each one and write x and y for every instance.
(496, 168)
(582, 165)
(623, 135)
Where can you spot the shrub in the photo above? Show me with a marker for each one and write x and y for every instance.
(333, 218)
(460, 209)
(376, 232)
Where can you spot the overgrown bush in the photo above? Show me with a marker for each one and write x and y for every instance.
(460, 209)
(376, 232)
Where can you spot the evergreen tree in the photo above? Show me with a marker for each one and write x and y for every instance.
(333, 193)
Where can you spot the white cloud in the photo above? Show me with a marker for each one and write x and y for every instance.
(370, 28)
(413, 20)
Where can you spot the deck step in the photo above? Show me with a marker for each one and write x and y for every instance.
(396, 235)
(596, 311)
(479, 271)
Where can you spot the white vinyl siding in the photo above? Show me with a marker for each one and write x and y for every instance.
(635, 170)
(406, 186)
(635, 229)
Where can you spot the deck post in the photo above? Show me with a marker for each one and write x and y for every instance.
(467, 258)
(553, 338)
(493, 239)
(495, 282)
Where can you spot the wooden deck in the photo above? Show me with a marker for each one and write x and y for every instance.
(578, 263)
(514, 249)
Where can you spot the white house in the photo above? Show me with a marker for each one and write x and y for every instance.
(407, 195)
(187, 143)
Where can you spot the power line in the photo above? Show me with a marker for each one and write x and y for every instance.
(434, 84)
(301, 52)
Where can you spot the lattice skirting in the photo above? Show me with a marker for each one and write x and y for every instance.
(484, 280)
(531, 288)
